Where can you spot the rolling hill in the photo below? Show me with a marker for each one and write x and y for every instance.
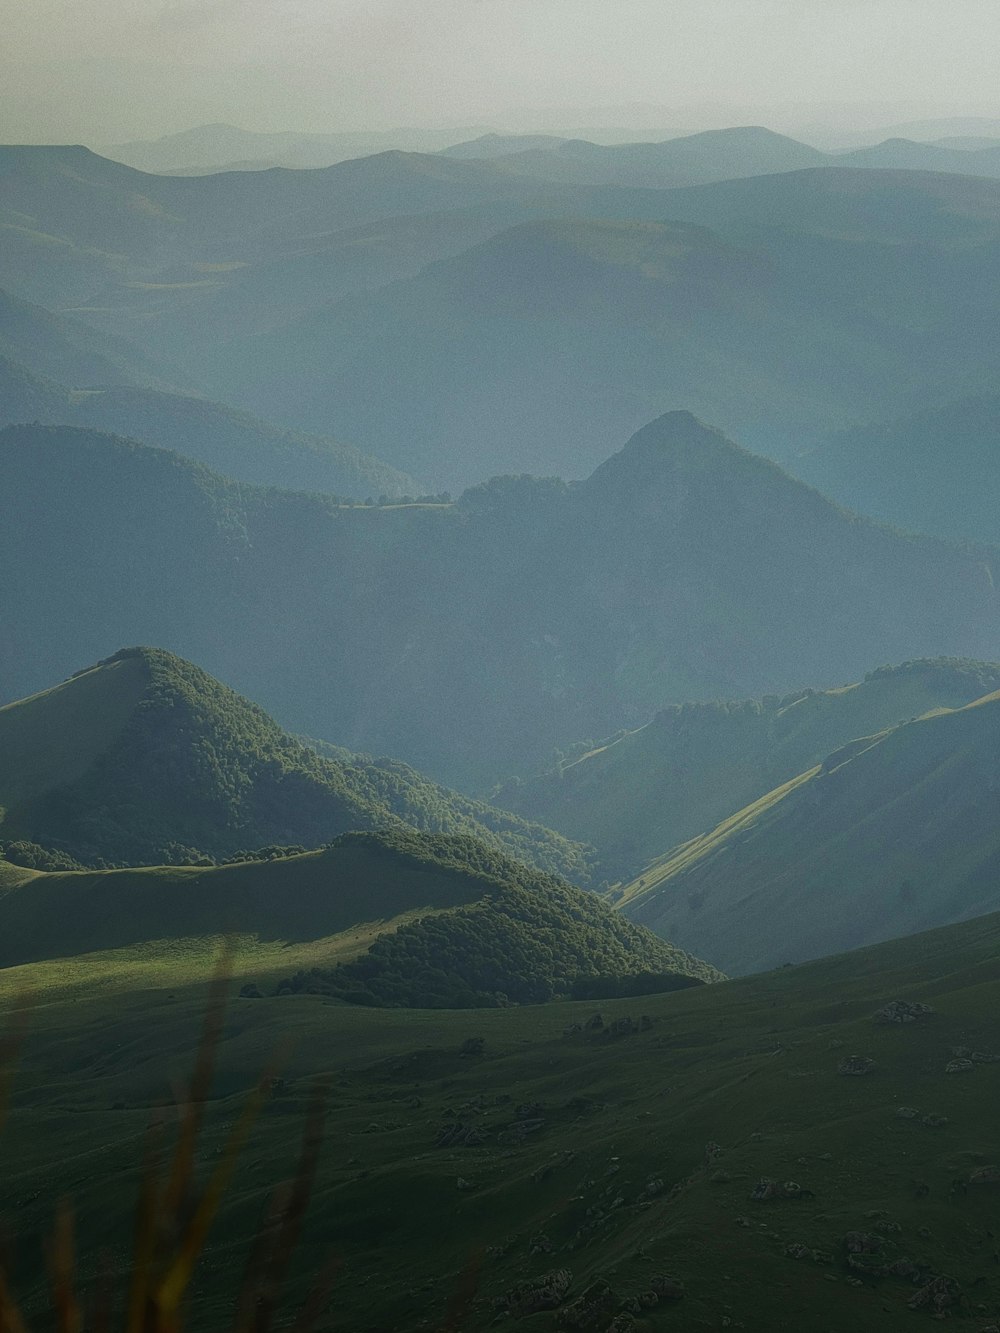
(217, 147)
(636, 796)
(63, 372)
(694, 159)
(461, 925)
(716, 1166)
(65, 350)
(782, 307)
(889, 835)
(145, 759)
(470, 639)
(938, 471)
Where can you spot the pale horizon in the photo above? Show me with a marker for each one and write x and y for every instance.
(130, 69)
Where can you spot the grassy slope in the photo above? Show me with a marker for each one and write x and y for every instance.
(159, 925)
(892, 834)
(749, 1065)
(637, 796)
(143, 756)
(54, 737)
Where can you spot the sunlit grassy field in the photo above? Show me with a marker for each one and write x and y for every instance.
(751, 1066)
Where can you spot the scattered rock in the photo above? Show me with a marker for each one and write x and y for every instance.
(985, 1175)
(797, 1250)
(861, 1242)
(939, 1295)
(902, 1011)
(528, 1110)
(767, 1189)
(934, 1121)
(958, 1066)
(856, 1066)
(653, 1187)
(712, 1151)
(907, 1113)
(464, 1184)
(590, 1312)
(667, 1288)
(535, 1294)
(459, 1135)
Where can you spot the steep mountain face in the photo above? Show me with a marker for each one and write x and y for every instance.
(783, 307)
(637, 796)
(471, 638)
(537, 932)
(937, 472)
(145, 759)
(891, 834)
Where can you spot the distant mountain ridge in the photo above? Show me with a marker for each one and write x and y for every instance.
(937, 471)
(471, 639)
(783, 307)
(106, 383)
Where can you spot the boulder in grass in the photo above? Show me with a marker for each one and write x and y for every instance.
(902, 1011)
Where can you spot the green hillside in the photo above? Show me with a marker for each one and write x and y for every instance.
(636, 796)
(145, 758)
(471, 639)
(891, 834)
(506, 931)
(625, 1157)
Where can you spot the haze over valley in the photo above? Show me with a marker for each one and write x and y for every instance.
(499, 667)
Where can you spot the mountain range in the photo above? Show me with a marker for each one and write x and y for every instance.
(471, 638)
(456, 317)
(782, 307)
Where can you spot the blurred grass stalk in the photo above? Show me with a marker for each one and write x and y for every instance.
(173, 1219)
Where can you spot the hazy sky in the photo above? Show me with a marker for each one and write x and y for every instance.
(108, 69)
